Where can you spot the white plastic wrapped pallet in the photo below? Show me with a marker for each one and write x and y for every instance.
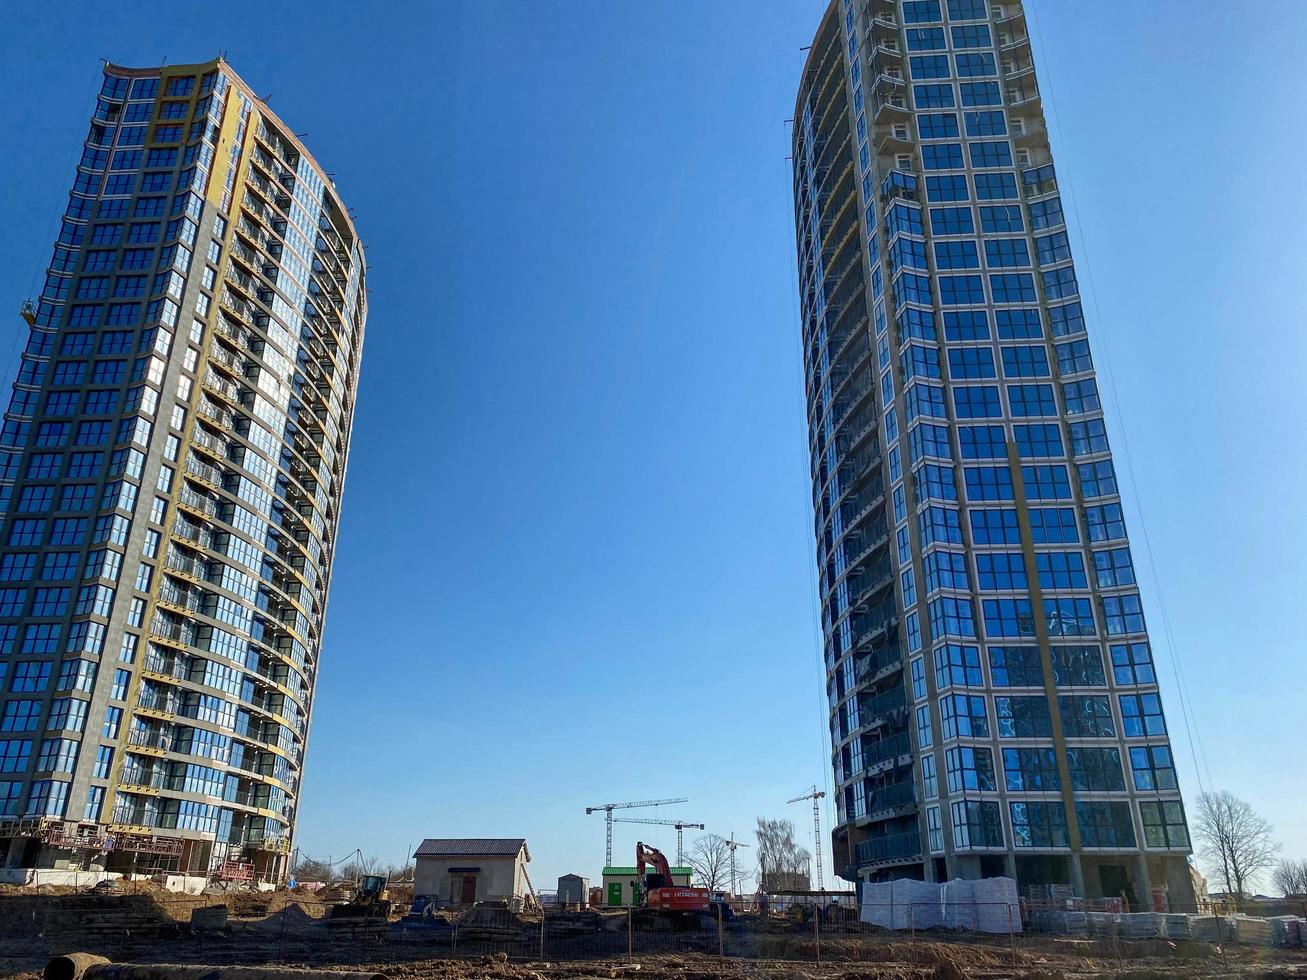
(984, 905)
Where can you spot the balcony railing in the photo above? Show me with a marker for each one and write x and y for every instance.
(889, 848)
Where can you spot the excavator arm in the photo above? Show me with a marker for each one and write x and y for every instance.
(645, 855)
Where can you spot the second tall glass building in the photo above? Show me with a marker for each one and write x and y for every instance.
(994, 706)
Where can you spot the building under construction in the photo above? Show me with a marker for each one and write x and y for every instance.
(173, 460)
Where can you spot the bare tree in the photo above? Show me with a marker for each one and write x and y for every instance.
(782, 863)
(710, 858)
(1291, 877)
(1236, 840)
(309, 869)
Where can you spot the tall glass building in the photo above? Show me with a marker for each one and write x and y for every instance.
(994, 707)
(172, 462)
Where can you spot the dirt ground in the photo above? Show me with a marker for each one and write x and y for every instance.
(152, 926)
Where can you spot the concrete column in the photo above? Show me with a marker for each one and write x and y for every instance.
(1010, 865)
(1143, 884)
(1077, 874)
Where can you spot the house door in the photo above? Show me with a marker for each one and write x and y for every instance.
(469, 896)
(614, 893)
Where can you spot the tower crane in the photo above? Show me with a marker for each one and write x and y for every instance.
(732, 843)
(680, 826)
(607, 810)
(815, 795)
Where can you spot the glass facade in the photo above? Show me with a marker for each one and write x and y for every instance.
(172, 462)
(981, 617)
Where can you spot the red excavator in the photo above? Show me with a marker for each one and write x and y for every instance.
(685, 906)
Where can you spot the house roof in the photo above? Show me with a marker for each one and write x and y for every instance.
(472, 847)
(617, 871)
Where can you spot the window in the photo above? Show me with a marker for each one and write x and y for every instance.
(925, 38)
(1114, 568)
(1025, 362)
(975, 65)
(14, 754)
(1037, 439)
(977, 402)
(1132, 663)
(1095, 769)
(926, 439)
(1001, 571)
(971, 362)
(921, 11)
(1123, 614)
(1105, 823)
(952, 221)
(995, 526)
(929, 779)
(981, 93)
(1097, 479)
(956, 254)
(970, 35)
(982, 441)
(947, 187)
(1164, 824)
(1153, 768)
(997, 187)
(1032, 400)
(1069, 616)
(1061, 570)
(1006, 253)
(1046, 213)
(1008, 618)
(30, 676)
(986, 123)
(951, 617)
(924, 736)
(964, 716)
(1012, 287)
(47, 798)
(1053, 525)
(20, 716)
(1086, 716)
(958, 665)
(1038, 824)
(1031, 770)
(988, 483)
(930, 66)
(933, 96)
(976, 823)
(970, 769)
(937, 125)
(966, 10)
(966, 325)
(1053, 248)
(1081, 396)
(934, 482)
(939, 525)
(1023, 716)
(1073, 357)
(946, 570)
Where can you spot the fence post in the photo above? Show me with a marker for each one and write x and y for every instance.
(542, 935)
(816, 928)
(282, 943)
(1011, 937)
(630, 935)
(721, 936)
(1115, 945)
(912, 922)
(453, 949)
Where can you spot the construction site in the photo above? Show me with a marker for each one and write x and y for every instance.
(234, 930)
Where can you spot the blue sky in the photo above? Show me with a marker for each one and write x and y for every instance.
(575, 564)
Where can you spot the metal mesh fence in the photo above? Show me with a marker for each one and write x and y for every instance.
(274, 928)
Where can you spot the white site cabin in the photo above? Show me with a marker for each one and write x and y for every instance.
(466, 870)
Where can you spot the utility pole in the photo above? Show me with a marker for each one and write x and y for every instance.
(680, 826)
(607, 810)
(815, 795)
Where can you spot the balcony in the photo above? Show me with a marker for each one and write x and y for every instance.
(892, 847)
(886, 750)
(891, 798)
